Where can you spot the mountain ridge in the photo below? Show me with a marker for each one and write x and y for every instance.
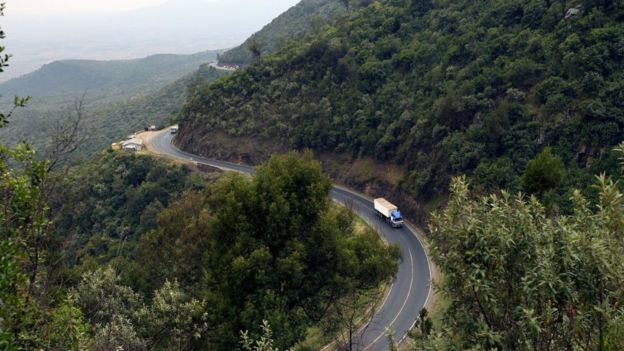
(67, 77)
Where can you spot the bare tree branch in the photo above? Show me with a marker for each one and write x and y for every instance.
(67, 135)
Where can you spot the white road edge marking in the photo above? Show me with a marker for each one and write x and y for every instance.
(414, 232)
(409, 292)
(385, 300)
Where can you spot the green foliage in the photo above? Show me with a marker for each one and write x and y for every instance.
(620, 150)
(175, 250)
(110, 308)
(264, 343)
(21, 219)
(519, 280)
(441, 88)
(17, 102)
(23, 232)
(119, 317)
(174, 320)
(543, 172)
(66, 329)
(102, 209)
(614, 339)
(276, 251)
(101, 297)
(118, 334)
(423, 324)
(392, 346)
(27, 321)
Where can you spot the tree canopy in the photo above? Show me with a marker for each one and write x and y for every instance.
(542, 173)
(279, 251)
(516, 278)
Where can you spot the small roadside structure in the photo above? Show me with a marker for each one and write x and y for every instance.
(132, 145)
(152, 128)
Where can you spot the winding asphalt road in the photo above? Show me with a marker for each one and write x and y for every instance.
(411, 288)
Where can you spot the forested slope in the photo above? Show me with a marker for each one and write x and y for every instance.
(440, 88)
(117, 77)
(292, 24)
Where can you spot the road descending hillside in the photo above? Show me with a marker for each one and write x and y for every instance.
(409, 292)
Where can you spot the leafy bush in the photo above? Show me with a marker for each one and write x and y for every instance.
(543, 172)
(516, 279)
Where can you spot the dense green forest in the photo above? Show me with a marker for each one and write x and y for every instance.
(75, 233)
(102, 208)
(307, 16)
(129, 251)
(440, 88)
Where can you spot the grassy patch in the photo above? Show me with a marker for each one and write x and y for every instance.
(331, 331)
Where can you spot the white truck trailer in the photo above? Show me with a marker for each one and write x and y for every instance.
(389, 212)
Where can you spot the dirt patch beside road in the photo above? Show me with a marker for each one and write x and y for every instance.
(146, 137)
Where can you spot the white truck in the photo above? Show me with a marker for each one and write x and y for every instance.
(389, 212)
(173, 130)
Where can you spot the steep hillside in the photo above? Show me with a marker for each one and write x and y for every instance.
(70, 77)
(439, 88)
(292, 24)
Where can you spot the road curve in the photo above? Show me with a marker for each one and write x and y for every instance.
(411, 288)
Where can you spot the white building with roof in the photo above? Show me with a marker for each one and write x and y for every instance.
(133, 144)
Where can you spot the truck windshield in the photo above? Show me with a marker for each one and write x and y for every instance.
(398, 219)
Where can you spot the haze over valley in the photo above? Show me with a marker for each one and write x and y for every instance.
(174, 26)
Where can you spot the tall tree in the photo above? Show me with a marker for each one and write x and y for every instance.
(278, 251)
(21, 218)
(543, 173)
(27, 321)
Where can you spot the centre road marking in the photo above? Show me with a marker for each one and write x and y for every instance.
(385, 300)
(409, 292)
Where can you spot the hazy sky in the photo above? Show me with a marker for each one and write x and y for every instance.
(42, 31)
(68, 7)
(56, 7)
